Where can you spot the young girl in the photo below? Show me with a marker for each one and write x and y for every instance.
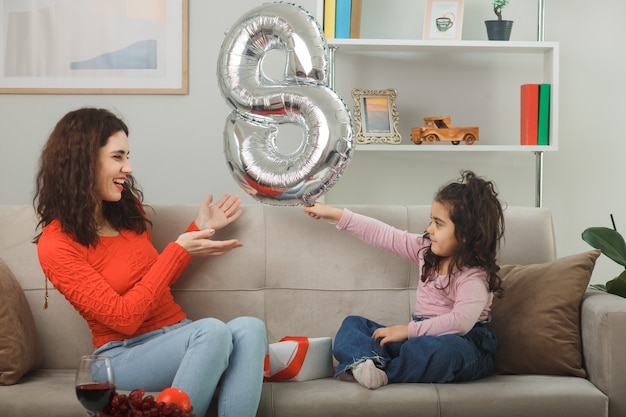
(446, 340)
(95, 248)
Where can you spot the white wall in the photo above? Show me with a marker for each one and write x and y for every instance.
(176, 141)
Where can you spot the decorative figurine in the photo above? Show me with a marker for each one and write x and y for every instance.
(438, 128)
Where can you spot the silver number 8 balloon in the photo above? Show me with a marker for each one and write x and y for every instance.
(261, 104)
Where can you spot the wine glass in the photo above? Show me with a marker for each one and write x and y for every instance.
(95, 383)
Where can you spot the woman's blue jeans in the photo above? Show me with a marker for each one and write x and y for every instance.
(195, 356)
(431, 359)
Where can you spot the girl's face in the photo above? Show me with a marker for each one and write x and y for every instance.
(441, 231)
(112, 168)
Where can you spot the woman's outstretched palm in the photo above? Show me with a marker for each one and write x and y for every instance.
(220, 214)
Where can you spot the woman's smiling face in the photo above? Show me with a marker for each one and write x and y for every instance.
(112, 168)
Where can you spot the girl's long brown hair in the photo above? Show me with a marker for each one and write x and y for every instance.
(64, 185)
(478, 220)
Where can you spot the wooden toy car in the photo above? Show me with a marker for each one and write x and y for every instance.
(439, 129)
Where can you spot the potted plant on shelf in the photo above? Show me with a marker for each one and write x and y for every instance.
(612, 244)
(499, 30)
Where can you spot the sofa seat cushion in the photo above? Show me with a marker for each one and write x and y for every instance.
(495, 396)
(537, 321)
(330, 397)
(527, 395)
(20, 351)
(52, 391)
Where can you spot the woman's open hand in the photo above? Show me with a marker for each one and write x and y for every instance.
(200, 244)
(220, 214)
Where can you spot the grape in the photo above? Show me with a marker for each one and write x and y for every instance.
(136, 393)
(138, 404)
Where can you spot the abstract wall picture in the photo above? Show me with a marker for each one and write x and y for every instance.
(93, 46)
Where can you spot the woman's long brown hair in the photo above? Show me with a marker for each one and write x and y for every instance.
(64, 185)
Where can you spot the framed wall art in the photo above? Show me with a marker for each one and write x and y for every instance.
(443, 20)
(93, 47)
(376, 116)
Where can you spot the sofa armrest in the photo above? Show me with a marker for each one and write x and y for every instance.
(603, 329)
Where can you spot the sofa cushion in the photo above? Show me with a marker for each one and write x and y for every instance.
(537, 321)
(20, 351)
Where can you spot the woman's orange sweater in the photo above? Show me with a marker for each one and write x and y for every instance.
(121, 286)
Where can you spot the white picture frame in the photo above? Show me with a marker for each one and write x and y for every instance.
(443, 20)
(84, 47)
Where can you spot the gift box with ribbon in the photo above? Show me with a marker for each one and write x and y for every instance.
(299, 358)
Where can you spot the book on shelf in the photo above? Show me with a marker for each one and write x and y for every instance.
(543, 123)
(529, 113)
(355, 19)
(329, 18)
(342, 18)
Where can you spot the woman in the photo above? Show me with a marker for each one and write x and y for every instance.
(95, 248)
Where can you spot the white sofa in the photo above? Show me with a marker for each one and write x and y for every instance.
(302, 277)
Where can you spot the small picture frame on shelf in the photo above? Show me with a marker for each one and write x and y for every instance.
(443, 20)
(376, 116)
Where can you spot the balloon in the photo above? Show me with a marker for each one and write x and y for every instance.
(261, 104)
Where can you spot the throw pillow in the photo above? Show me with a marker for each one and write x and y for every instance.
(537, 321)
(20, 351)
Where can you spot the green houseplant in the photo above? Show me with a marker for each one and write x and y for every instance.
(500, 29)
(611, 243)
(497, 7)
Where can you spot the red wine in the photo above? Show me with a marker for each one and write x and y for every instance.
(95, 397)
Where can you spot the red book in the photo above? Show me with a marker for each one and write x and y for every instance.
(529, 110)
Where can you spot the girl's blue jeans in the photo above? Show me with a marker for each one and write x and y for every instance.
(195, 356)
(431, 359)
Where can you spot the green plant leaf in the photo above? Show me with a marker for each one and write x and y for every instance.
(617, 285)
(600, 287)
(610, 242)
